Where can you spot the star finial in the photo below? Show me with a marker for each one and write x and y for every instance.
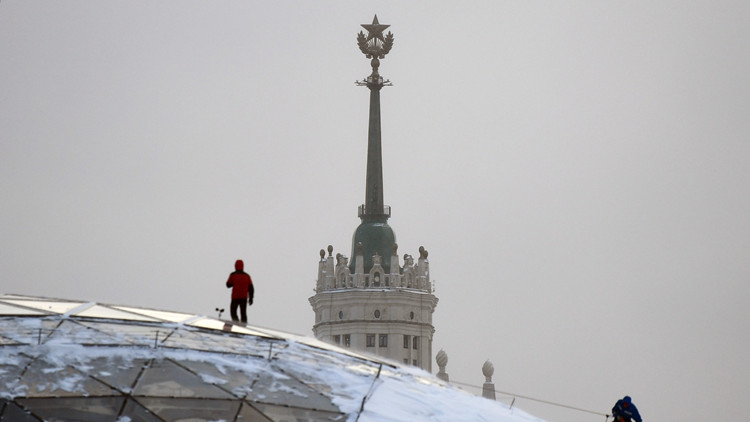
(375, 45)
(375, 29)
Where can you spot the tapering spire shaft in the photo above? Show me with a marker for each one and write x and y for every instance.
(374, 205)
(375, 45)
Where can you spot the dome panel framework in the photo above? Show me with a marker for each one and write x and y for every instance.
(63, 365)
(79, 361)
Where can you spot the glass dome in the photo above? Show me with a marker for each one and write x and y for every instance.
(65, 360)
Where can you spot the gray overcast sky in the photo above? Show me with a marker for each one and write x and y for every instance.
(578, 172)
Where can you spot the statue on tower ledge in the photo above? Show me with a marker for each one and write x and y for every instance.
(410, 276)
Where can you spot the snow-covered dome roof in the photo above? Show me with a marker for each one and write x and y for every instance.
(67, 360)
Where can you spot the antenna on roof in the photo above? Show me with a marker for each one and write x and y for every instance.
(220, 311)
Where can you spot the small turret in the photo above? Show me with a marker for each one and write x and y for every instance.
(330, 271)
(395, 267)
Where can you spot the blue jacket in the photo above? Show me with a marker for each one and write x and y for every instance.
(625, 408)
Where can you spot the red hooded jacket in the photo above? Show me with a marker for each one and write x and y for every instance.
(241, 283)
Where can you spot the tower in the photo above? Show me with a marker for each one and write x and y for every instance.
(374, 303)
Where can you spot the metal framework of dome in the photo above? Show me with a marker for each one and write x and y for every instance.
(67, 360)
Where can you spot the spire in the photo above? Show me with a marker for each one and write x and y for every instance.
(374, 46)
(374, 233)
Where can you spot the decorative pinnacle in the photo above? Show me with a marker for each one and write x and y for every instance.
(487, 370)
(441, 358)
(374, 46)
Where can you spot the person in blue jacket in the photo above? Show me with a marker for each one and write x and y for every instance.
(625, 411)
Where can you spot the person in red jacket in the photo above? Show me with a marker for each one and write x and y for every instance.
(242, 291)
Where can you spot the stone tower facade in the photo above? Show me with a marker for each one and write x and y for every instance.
(379, 312)
(374, 302)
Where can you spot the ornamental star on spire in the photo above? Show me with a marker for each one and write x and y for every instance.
(375, 45)
(375, 29)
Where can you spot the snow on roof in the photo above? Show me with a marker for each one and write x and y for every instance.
(76, 360)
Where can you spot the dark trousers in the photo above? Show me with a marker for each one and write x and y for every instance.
(242, 304)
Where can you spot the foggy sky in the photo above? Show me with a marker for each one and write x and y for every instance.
(578, 172)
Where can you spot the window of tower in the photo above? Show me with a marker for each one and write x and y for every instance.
(406, 341)
(371, 340)
(377, 313)
(383, 340)
(415, 342)
(347, 340)
(341, 314)
(337, 339)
